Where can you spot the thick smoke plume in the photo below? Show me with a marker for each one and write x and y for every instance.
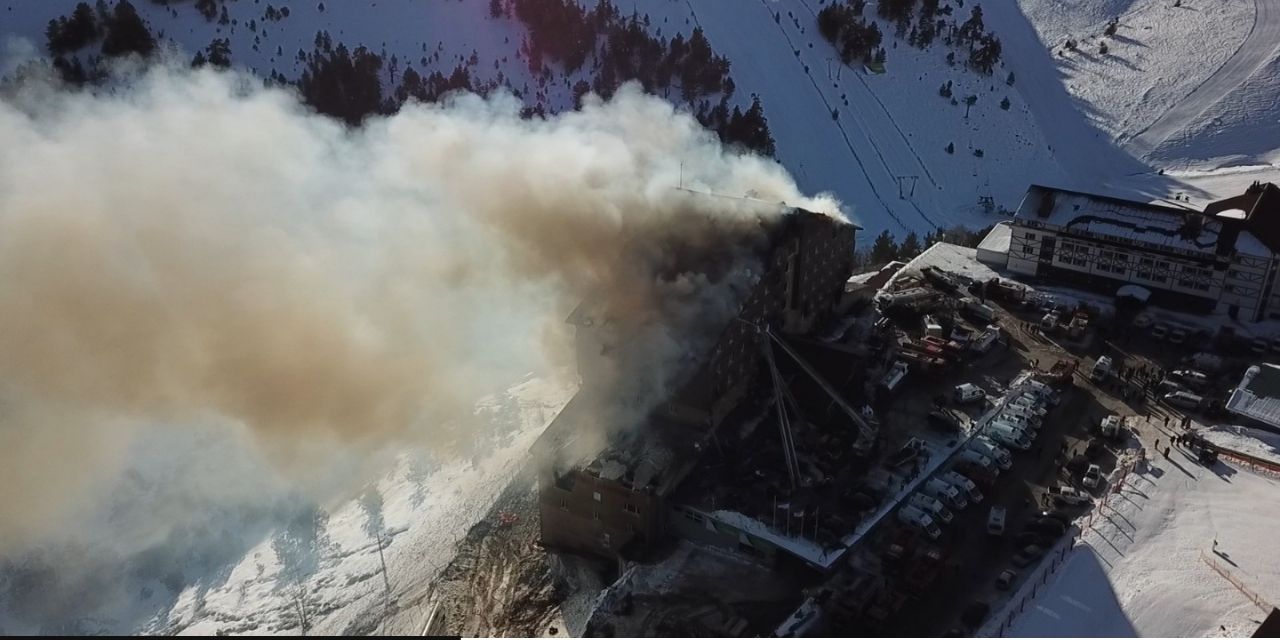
(195, 250)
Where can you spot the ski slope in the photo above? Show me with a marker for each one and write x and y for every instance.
(1140, 571)
(1259, 48)
(890, 128)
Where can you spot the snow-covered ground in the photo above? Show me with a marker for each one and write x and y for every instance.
(1247, 440)
(1141, 570)
(1144, 72)
(424, 516)
(244, 577)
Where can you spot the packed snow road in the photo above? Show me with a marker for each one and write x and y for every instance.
(1259, 47)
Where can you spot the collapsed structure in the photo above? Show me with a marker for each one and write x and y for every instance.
(617, 503)
(1223, 259)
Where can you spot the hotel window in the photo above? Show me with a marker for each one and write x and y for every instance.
(595, 495)
(1073, 254)
(1113, 261)
(631, 508)
(1159, 275)
(1195, 278)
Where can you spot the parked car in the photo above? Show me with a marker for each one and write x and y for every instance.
(963, 483)
(1041, 390)
(996, 520)
(1177, 335)
(990, 449)
(917, 518)
(1093, 476)
(948, 494)
(1029, 403)
(1101, 369)
(1183, 400)
(1191, 378)
(966, 393)
(977, 460)
(1020, 421)
(1021, 414)
(1028, 555)
(1005, 580)
(1008, 435)
(1111, 426)
(931, 506)
(1068, 496)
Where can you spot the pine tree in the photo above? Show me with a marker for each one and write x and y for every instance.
(127, 33)
(1009, 80)
(1004, 104)
(951, 147)
(884, 249)
(910, 247)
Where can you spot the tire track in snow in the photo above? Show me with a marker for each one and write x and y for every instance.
(848, 142)
(1258, 47)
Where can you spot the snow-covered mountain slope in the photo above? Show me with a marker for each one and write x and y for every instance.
(1241, 129)
(1159, 54)
(889, 128)
(1142, 571)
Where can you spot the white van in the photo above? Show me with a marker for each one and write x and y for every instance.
(931, 505)
(1030, 403)
(1101, 369)
(1040, 390)
(990, 449)
(945, 492)
(1018, 422)
(1020, 414)
(1008, 436)
(894, 376)
(1183, 399)
(919, 519)
(964, 483)
(978, 460)
(966, 393)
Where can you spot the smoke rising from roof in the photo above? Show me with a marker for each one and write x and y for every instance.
(193, 249)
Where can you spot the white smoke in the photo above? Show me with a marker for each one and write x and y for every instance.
(192, 253)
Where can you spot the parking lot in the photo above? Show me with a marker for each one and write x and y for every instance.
(973, 559)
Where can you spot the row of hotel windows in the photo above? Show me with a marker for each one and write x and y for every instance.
(1149, 269)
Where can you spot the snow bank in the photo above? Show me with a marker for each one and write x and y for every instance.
(1246, 440)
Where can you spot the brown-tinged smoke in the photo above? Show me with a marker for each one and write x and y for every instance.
(192, 248)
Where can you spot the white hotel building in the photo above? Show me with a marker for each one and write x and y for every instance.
(1223, 259)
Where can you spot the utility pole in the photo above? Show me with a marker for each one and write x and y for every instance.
(386, 581)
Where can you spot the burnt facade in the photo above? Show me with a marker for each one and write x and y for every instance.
(616, 505)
